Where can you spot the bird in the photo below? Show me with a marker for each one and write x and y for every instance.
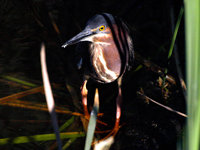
(104, 51)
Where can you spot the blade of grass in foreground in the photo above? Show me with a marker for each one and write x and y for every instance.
(192, 21)
(49, 96)
(41, 137)
(92, 122)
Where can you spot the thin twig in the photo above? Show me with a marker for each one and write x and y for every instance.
(21, 94)
(166, 107)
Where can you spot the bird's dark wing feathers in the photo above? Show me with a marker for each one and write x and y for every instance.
(131, 53)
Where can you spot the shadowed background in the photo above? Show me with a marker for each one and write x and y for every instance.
(25, 24)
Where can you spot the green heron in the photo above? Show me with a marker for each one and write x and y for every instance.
(105, 56)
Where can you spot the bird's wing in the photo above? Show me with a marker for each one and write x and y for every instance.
(131, 52)
(79, 54)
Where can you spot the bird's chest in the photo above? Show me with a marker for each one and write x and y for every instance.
(106, 62)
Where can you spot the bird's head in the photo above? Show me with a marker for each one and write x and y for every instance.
(97, 30)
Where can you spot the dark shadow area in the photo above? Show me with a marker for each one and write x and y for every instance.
(146, 126)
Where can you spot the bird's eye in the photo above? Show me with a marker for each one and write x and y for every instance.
(101, 28)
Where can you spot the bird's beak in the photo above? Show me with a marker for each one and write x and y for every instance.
(85, 35)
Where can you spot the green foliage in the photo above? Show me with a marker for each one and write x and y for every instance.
(18, 81)
(173, 41)
(41, 137)
(92, 123)
(192, 21)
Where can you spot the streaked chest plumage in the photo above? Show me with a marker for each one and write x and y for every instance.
(105, 60)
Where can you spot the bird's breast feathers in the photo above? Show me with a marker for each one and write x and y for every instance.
(106, 61)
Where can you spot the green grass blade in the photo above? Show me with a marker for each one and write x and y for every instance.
(175, 32)
(41, 137)
(64, 126)
(70, 121)
(192, 22)
(92, 123)
(91, 128)
(18, 81)
(173, 41)
(68, 143)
